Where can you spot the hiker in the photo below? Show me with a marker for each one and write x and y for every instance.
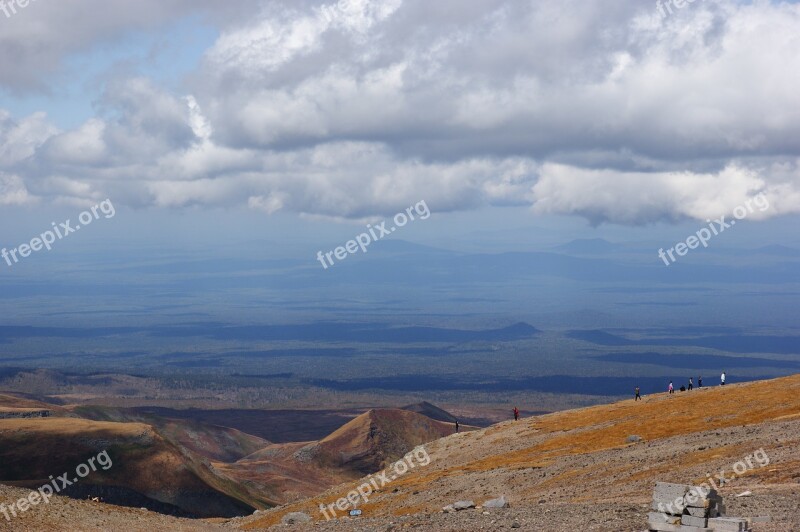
(456, 426)
(700, 381)
(638, 397)
(690, 384)
(722, 378)
(516, 413)
(670, 388)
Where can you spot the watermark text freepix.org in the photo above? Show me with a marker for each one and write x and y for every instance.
(716, 227)
(362, 492)
(700, 492)
(62, 230)
(365, 239)
(55, 486)
(9, 7)
(662, 4)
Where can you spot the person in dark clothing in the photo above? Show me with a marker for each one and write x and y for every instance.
(700, 381)
(516, 413)
(638, 397)
(683, 388)
(690, 383)
(456, 426)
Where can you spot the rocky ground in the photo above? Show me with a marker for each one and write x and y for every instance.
(578, 471)
(774, 508)
(772, 516)
(779, 504)
(62, 513)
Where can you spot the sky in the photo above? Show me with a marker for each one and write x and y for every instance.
(584, 117)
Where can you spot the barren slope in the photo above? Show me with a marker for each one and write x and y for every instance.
(287, 472)
(214, 442)
(570, 462)
(145, 470)
(63, 513)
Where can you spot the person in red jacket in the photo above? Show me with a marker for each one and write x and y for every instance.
(516, 413)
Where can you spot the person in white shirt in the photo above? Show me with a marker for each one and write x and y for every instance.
(723, 379)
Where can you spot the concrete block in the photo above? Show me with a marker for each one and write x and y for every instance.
(698, 512)
(661, 526)
(667, 508)
(728, 524)
(666, 492)
(664, 527)
(689, 520)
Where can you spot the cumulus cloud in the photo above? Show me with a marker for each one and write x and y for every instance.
(20, 139)
(640, 198)
(84, 145)
(39, 39)
(13, 191)
(355, 108)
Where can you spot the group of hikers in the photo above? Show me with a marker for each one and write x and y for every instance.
(638, 396)
(671, 388)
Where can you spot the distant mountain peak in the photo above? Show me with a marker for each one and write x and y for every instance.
(432, 411)
(369, 441)
(522, 328)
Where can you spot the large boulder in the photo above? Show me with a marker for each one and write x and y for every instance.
(500, 502)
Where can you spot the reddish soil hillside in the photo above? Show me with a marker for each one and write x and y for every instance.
(286, 472)
(372, 440)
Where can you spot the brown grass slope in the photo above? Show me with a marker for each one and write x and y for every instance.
(17, 405)
(210, 441)
(576, 458)
(143, 462)
(287, 472)
(377, 437)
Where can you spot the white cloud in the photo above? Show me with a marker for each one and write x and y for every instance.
(270, 204)
(354, 109)
(40, 38)
(84, 145)
(640, 198)
(19, 140)
(13, 191)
